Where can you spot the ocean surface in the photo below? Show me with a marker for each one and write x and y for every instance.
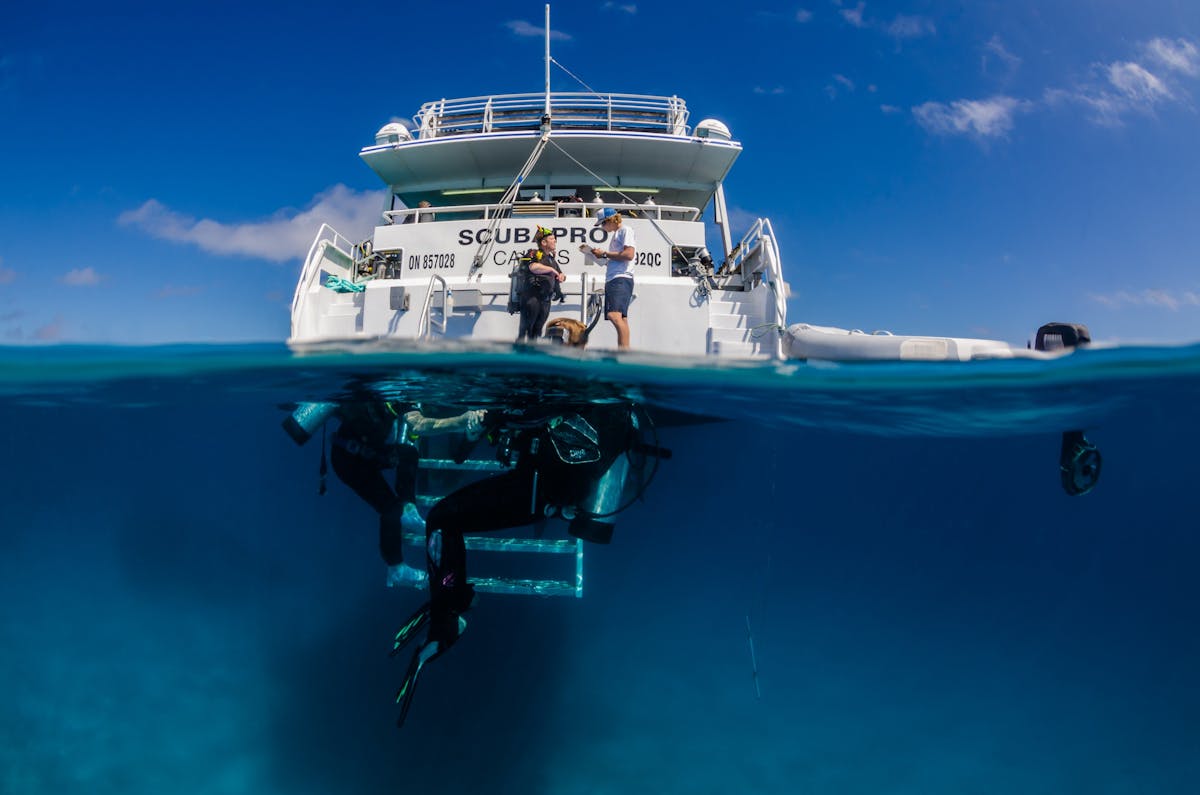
(930, 612)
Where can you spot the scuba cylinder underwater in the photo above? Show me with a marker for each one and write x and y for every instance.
(306, 419)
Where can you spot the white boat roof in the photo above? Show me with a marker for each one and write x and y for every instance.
(470, 147)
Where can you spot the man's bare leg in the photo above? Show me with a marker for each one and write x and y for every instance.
(621, 324)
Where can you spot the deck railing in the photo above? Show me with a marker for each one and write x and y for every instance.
(759, 253)
(327, 238)
(568, 111)
(543, 209)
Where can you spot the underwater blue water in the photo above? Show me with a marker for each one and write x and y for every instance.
(181, 612)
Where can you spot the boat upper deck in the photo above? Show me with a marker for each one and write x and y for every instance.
(568, 111)
(459, 150)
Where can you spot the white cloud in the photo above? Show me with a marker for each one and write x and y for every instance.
(1135, 82)
(803, 15)
(520, 27)
(1179, 55)
(7, 275)
(1154, 298)
(284, 236)
(774, 91)
(1118, 89)
(854, 15)
(889, 109)
(984, 118)
(909, 27)
(996, 49)
(81, 277)
(629, 8)
(831, 90)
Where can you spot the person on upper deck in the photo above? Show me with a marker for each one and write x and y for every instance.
(541, 284)
(413, 218)
(618, 281)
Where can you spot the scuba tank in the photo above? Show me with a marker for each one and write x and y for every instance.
(519, 278)
(596, 515)
(302, 423)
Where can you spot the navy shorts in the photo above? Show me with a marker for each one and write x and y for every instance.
(617, 295)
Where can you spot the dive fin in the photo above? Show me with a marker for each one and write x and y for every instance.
(426, 652)
(406, 633)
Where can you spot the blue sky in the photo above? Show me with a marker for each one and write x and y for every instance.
(929, 167)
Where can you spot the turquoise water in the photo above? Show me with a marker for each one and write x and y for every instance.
(181, 612)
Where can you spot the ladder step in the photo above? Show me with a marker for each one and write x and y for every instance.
(517, 586)
(532, 587)
(550, 546)
(470, 465)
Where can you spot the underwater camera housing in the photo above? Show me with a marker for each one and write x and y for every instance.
(302, 423)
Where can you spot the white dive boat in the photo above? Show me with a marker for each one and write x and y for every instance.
(470, 181)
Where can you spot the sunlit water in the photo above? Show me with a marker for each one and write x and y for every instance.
(181, 612)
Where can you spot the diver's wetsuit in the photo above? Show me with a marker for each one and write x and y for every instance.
(515, 498)
(364, 445)
(540, 290)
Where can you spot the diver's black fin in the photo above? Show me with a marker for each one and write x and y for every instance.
(424, 653)
(406, 633)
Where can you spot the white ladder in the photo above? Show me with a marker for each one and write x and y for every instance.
(493, 543)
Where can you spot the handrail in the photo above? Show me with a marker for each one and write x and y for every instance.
(424, 326)
(568, 110)
(762, 236)
(742, 251)
(774, 278)
(330, 237)
(562, 210)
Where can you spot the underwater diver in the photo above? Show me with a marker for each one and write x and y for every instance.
(375, 435)
(573, 463)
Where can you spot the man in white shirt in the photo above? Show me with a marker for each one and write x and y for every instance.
(618, 283)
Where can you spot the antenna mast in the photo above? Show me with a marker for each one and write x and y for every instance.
(547, 113)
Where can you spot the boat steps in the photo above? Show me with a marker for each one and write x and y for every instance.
(734, 321)
(722, 306)
(740, 350)
(746, 334)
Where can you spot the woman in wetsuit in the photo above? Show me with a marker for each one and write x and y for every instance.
(541, 284)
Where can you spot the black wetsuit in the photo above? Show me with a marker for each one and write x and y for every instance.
(366, 444)
(515, 498)
(540, 290)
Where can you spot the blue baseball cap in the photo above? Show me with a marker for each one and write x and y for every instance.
(605, 214)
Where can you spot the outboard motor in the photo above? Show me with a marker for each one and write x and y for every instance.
(1060, 336)
(1079, 461)
(302, 423)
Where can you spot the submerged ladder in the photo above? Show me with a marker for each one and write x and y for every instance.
(499, 543)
